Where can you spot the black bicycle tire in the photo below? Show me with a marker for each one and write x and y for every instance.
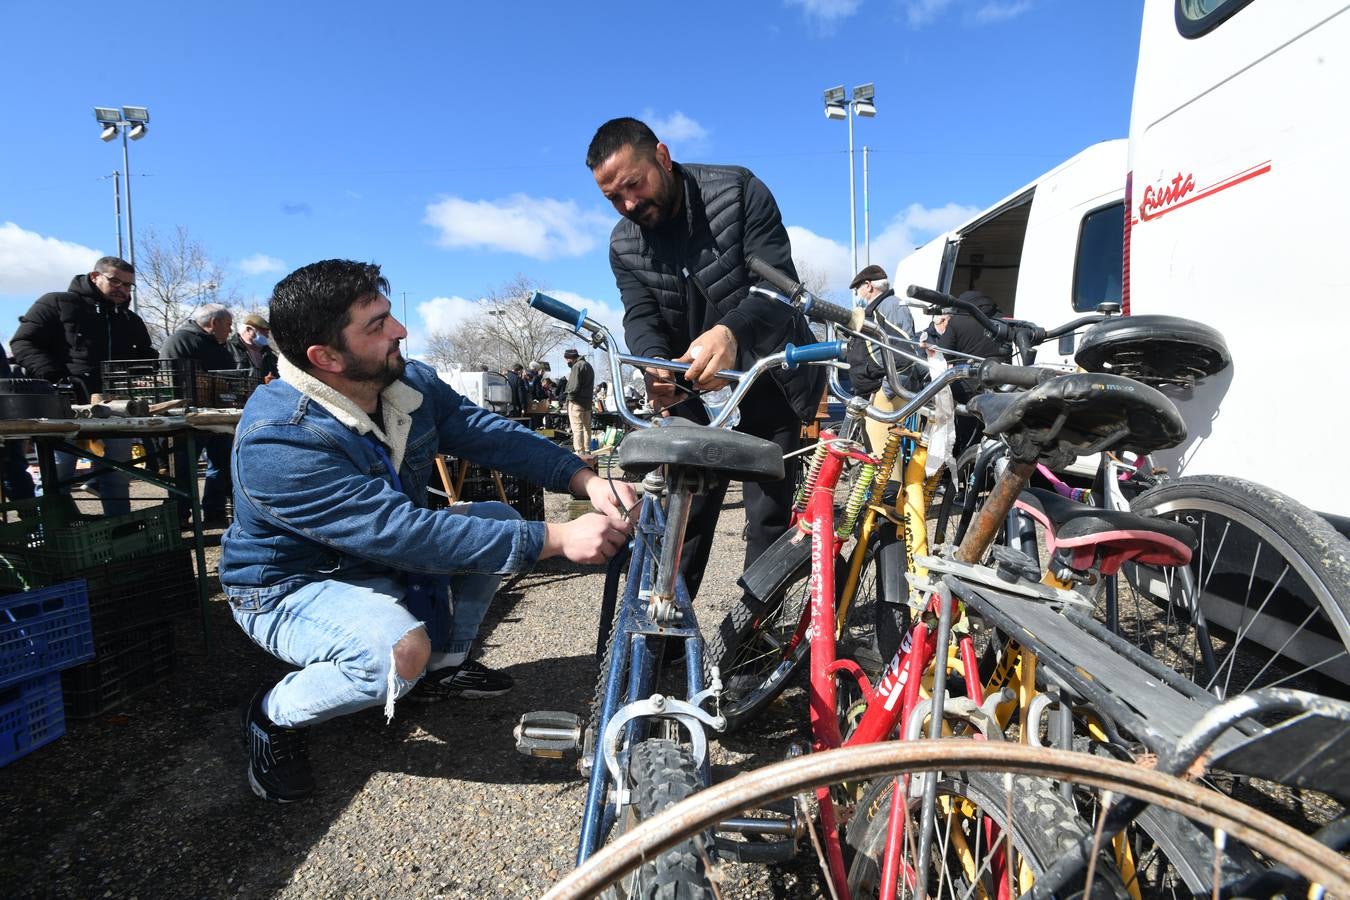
(741, 622)
(1045, 824)
(661, 774)
(952, 479)
(1323, 553)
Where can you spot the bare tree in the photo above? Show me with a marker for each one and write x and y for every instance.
(506, 331)
(174, 275)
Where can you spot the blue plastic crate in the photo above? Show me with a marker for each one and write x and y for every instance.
(31, 714)
(44, 630)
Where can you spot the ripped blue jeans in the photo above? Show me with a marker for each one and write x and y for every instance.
(341, 635)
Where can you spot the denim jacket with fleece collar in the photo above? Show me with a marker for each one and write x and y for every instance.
(314, 498)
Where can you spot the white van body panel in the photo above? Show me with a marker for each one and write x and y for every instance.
(489, 390)
(1030, 241)
(1247, 125)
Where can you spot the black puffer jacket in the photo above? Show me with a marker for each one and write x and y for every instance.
(70, 334)
(190, 342)
(682, 278)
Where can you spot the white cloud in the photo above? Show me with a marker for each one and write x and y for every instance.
(973, 12)
(999, 10)
(261, 264)
(826, 13)
(443, 314)
(908, 230)
(33, 264)
(678, 132)
(537, 227)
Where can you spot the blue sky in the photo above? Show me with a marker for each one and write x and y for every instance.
(445, 140)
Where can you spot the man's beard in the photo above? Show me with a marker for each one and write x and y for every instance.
(664, 206)
(382, 374)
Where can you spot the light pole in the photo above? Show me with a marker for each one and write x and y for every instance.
(133, 122)
(837, 106)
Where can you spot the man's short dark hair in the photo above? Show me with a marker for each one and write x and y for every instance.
(616, 134)
(314, 303)
(106, 263)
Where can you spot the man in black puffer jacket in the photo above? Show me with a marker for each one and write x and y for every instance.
(68, 335)
(678, 257)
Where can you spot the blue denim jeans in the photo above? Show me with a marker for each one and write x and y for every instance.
(114, 488)
(217, 486)
(342, 635)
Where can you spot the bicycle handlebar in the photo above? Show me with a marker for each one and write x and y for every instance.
(797, 294)
(790, 358)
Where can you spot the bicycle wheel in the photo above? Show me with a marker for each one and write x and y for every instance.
(967, 850)
(752, 646)
(661, 773)
(1270, 840)
(1265, 601)
(970, 479)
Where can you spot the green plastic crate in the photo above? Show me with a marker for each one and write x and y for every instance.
(47, 540)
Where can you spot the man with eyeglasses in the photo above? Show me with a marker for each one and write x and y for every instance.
(67, 335)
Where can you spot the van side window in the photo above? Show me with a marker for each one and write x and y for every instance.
(1098, 265)
(1195, 17)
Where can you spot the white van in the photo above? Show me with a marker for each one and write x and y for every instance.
(1047, 251)
(489, 390)
(1240, 216)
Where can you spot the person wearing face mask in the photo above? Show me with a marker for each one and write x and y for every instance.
(251, 347)
(66, 336)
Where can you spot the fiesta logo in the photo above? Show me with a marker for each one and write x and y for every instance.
(1157, 199)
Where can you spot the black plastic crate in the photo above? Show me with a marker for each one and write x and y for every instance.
(524, 497)
(152, 380)
(224, 388)
(125, 664)
(138, 592)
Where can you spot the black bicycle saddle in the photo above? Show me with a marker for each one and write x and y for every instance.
(1078, 415)
(1154, 349)
(679, 442)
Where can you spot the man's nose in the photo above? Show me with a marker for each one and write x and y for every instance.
(631, 203)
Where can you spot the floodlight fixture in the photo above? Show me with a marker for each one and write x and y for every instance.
(137, 131)
(107, 115)
(864, 108)
(108, 133)
(835, 96)
(861, 92)
(836, 112)
(142, 115)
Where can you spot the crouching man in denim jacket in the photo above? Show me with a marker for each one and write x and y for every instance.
(333, 563)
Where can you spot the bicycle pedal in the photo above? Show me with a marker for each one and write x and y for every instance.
(548, 734)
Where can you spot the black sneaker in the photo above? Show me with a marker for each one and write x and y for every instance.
(472, 679)
(278, 757)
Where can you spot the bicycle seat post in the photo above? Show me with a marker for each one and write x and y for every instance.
(681, 483)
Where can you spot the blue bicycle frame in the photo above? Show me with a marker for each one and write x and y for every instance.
(631, 675)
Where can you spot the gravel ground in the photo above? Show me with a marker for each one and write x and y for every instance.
(152, 800)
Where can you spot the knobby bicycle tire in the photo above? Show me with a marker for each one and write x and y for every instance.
(746, 647)
(661, 774)
(1044, 827)
(1274, 840)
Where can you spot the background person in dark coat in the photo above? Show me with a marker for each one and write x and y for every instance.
(679, 259)
(68, 335)
(964, 334)
(202, 339)
(251, 348)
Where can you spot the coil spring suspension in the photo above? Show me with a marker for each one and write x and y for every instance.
(857, 499)
(888, 457)
(809, 478)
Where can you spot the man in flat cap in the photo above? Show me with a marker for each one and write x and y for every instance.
(580, 395)
(867, 368)
(251, 347)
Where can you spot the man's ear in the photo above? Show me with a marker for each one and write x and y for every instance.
(663, 156)
(324, 358)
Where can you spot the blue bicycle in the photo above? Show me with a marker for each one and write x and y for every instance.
(643, 750)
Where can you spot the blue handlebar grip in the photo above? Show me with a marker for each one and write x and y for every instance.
(794, 356)
(559, 310)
